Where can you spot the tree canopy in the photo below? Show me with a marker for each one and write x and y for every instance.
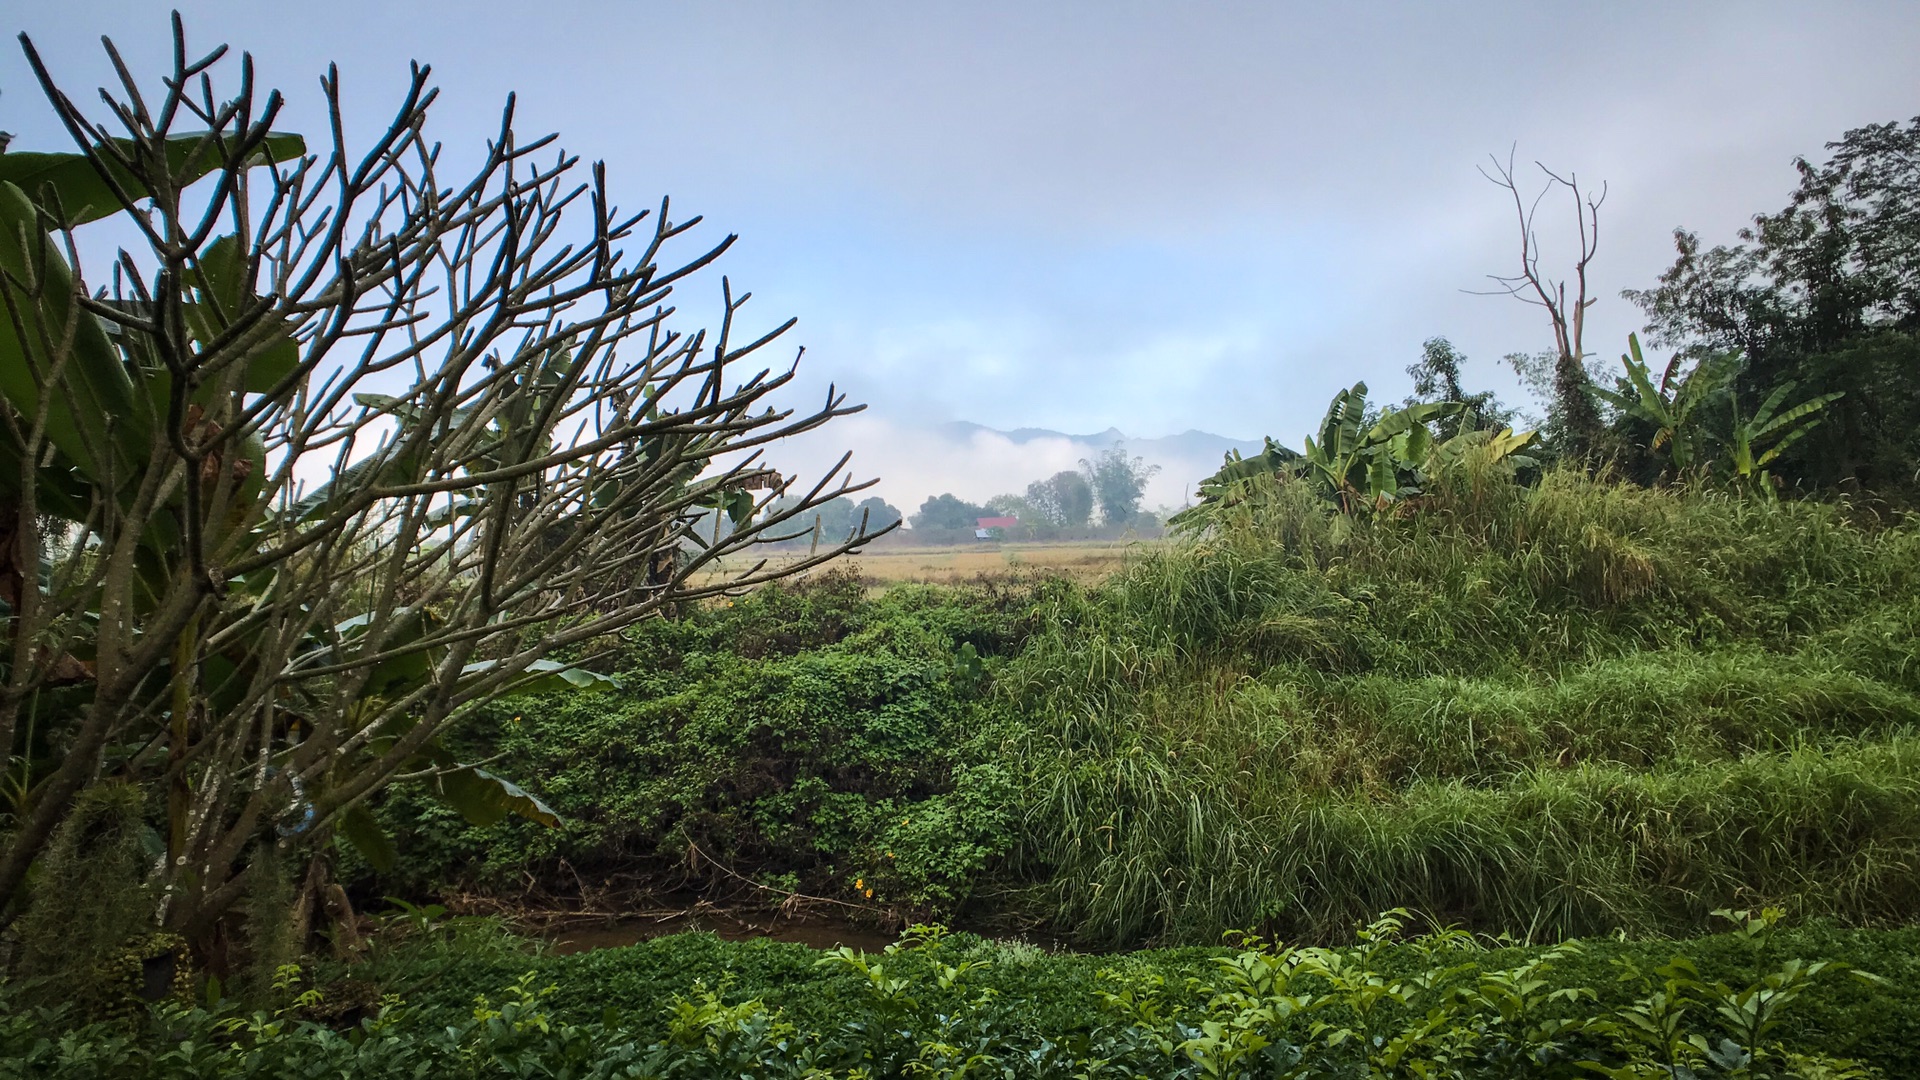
(944, 511)
(1064, 499)
(1825, 293)
(1117, 483)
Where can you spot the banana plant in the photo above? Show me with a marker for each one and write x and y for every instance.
(1681, 408)
(1355, 465)
(1503, 448)
(1363, 467)
(1756, 441)
(1678, 406)
(101, 430)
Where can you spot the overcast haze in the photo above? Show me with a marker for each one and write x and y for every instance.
(1075, 216)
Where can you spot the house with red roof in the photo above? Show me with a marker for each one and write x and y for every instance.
(983, 528)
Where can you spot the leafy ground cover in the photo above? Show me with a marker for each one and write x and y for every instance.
(1741, 1004)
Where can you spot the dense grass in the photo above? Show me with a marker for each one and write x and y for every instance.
(1548, 711)
(1571, 711)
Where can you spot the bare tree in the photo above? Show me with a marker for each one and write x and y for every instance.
(342, 450)
(1573, 405)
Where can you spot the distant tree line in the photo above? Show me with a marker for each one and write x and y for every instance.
(836, 519)
(1110, 484)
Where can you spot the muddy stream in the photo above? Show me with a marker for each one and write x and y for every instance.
(582, 935)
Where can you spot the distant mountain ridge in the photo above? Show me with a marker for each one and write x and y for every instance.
(1167, 450)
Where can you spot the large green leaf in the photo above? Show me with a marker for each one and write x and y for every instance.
(1399, 421)
(90, 411)
(83, 195)
(543, 676)
(360, 828)
(485, 799)
(223, 295)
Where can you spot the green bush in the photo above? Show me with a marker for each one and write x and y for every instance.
(805, 737)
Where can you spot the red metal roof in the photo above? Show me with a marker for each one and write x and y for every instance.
(996, 522)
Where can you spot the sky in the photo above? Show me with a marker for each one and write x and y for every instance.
(1155, 217)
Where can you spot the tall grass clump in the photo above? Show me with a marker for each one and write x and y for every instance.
(1561, 709)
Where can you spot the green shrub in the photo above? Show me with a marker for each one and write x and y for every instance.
(804, 737)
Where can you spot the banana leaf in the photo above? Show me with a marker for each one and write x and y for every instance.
(93, 421)
(484, 798)
(361, 829)
(71, 187)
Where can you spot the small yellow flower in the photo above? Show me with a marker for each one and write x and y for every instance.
(869, 894)
(859, 883)
(889, 854)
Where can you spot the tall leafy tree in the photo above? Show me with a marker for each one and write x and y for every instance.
(880, 514)
(1064, 499)
(1436, 378)
(944, 511)
(1824, 293)
(1117, 482)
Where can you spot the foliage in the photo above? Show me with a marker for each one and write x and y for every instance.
(1825, 293)
(1064, 499)
(1360, 463)
(1435, 1004)
(806, 737)
(93, 902)
(1436, 378)
(836, 519)
(1681, 408)
(944, 511)
(1545, 710)
(1676, 408)
(880, 514)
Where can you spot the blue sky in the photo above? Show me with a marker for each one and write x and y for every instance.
(1076, 215)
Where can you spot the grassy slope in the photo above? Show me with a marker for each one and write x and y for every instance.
(1553, 711)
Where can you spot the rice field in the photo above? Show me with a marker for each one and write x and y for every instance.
(1085, 562)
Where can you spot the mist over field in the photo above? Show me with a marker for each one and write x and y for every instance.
(976, 462)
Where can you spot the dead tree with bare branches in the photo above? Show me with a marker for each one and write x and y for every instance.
(1574, 413)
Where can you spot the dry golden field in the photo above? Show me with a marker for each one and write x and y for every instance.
(1084, 561)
